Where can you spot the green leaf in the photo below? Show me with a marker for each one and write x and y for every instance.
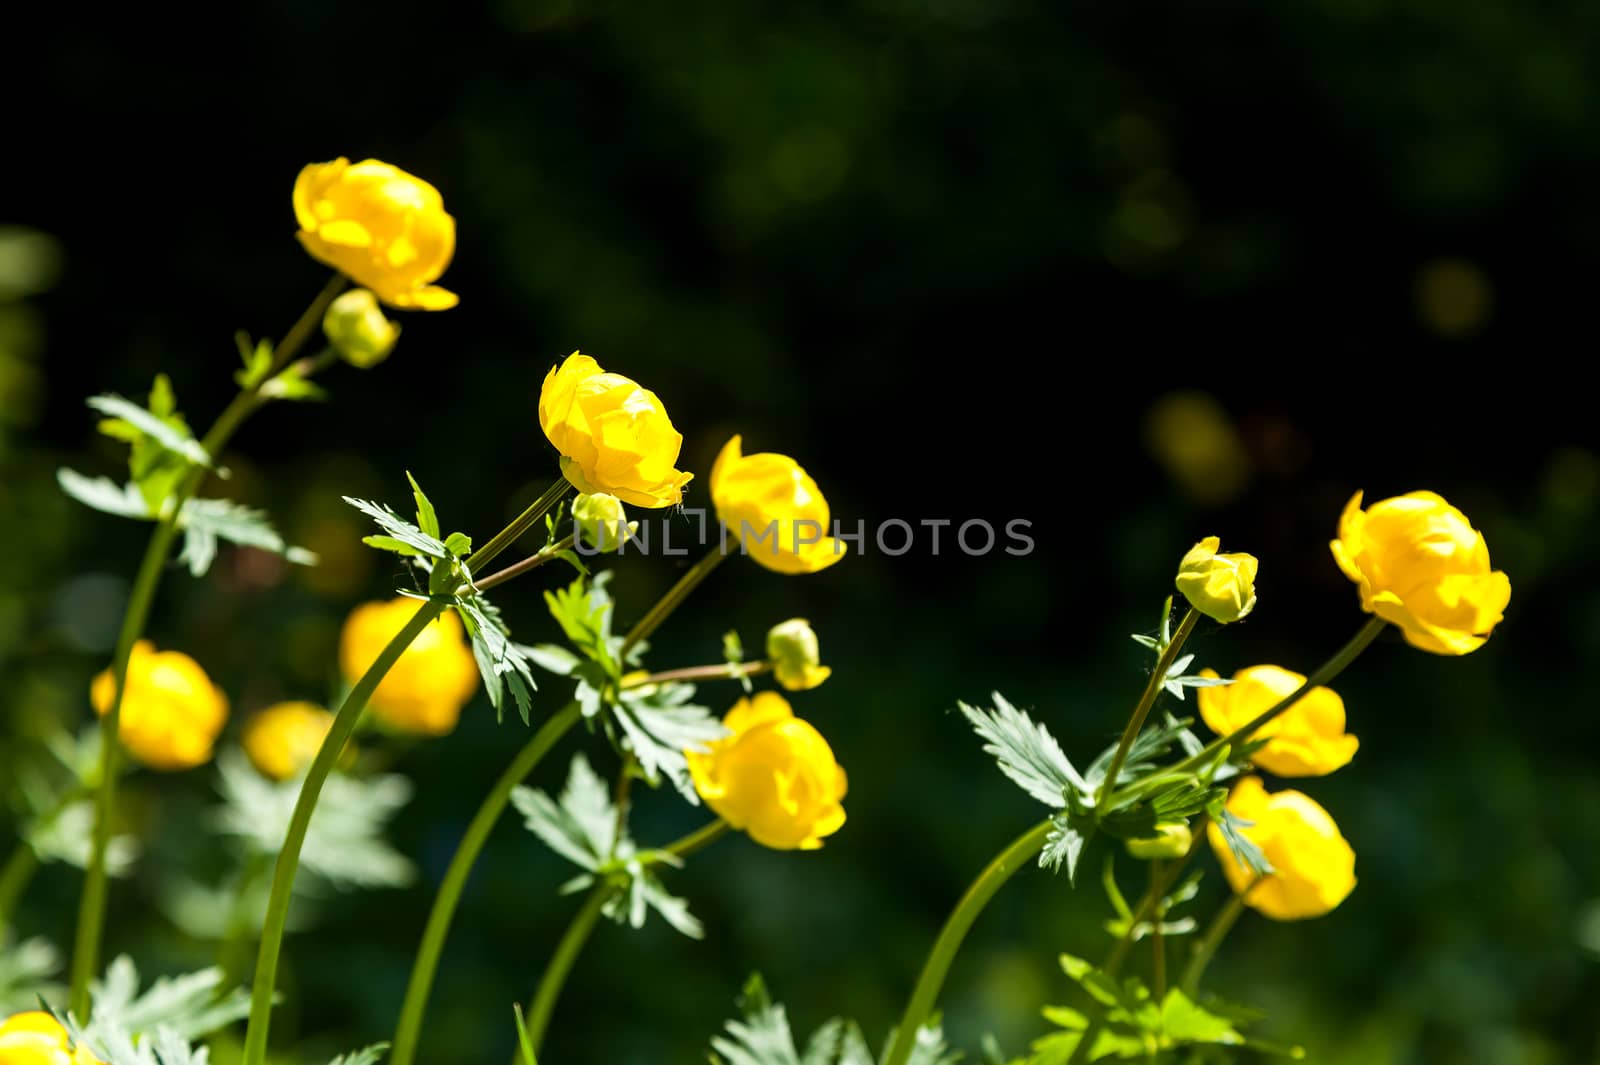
(205, 521)
(291, 383)
(1065, 843)
(25, 972)
(524, 1041)
(104, 494)
(1025, 751)
(427, 517)
(131, 422)
(554, 658)
(762, 1037)
(257, 359)
(367, 1055)
(644, 893)
(1184, 1022)
(123, 1019)
(659, 725)
(503, 663)
(1244, 849)
(344, 845)
(1100, 985)
(400, 529)
(458, 544)
(65, 838)
(583, 609)
(581, 826)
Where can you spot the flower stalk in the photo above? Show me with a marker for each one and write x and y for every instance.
(1147, 699)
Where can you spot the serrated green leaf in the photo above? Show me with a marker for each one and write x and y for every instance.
(659, 725)
(205, 521)
(400, 529)
(458, 544)
(1025, 751)
(1184, 1022)
(581, 825)
(427, 517)
(124, 414)
(1069, 831)
(104, 494)
(503, 663)
(367, 1055)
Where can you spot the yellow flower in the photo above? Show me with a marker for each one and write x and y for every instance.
(380, 226)
(283, 739)
(774, 509)
(602, 522)
(171, 712)
(1314, 869)
(358, 330)
(1422, 566)
(1306, 740)
(795, 655)
(775, 777)
(1222, 587)
(36, 1038)
(614, 436)
(432, 680)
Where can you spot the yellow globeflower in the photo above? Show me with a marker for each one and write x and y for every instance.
(1306, 740)
(614, 436)
(795, 655)
(1314, 869)
(774, 509)
(380, 226)
(1422, 566)
(283, 739)
(36, 1038)
(171, 712)
(432, 680)
(774, 778)
(1222, 587)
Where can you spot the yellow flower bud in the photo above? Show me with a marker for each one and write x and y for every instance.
(602, 521)
(614, 436)
(380, 226)
(1306, 740)
(171, 712)
(774, 509)
(1222, 587)
(358, 329)
(1314, 869)
(774, 778)
(1170, 841)
(1422, 566)
(36, 1038)
(795, 656)
(283, 739)
(432, 680)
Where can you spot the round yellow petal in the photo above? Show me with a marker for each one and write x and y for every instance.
(1307, 740)
(1313, 865)
(774, 510)
(171, 712)
(1222, 587)
(426, 689)
(283, 739)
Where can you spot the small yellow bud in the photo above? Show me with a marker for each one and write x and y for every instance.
(1222, 587)
(358, 329)
(602, 521)
(1170, 841)
(796, 659)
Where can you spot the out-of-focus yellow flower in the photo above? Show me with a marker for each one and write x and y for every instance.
(283, 739)
(1222, 587)
(379, 225)
(614, 436)
(1422, 566)
(359, 330)
(1314, 869)
(774, 778)
(36, 1038)
(602, 521)
(432, 680)
(1190, 434)
(1170, 841)
(795, 655)
(171, 712)
(774, 509)
(1306, 740)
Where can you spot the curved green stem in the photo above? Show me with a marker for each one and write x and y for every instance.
(14, 878)
(533, 561)
(288, 864)
(1152, 898)
(519, 525)
(937, 967)
(725, 671)
(561, 962)
(455, 879)
(1147, 699)
(92, 906)
(1324, 675)
(1206, 949)
(577, 934)
(675, 595)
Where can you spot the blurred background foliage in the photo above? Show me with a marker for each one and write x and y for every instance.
(1135, 274)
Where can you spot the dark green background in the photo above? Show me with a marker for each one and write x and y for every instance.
(949, 254)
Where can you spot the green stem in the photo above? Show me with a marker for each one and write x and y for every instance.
(1206, 949)
(533, 561)
(675, 595)
(1158, 958)
(577, 934)
(934, 970)
(1147, 699)
(1323, 676)
(92, 906)
(561, 962)
(283, 874)
(14, 878)
(725, 671)
(455, 880)
(519, 525)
